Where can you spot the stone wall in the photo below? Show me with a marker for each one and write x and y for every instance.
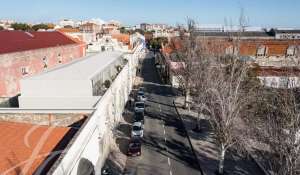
(64, 120)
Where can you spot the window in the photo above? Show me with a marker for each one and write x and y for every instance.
(45, 62)
(261, 51)
(229, 50)
(59, 58)
(291, 51)
(24, 70)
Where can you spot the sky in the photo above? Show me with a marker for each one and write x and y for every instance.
(263, 13)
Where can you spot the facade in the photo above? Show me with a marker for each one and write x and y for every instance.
(111, 27)
(286, 34)
(90, 28)
(253, 44)
(284, 78)
(25, 54)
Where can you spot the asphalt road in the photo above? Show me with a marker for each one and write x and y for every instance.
(165, 149)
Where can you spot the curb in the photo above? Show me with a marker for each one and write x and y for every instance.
(189, 139)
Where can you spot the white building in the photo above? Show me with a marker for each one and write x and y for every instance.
(70, 86)
(279, 77)
(67, 22)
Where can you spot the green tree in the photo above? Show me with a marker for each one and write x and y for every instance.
(21, 26)
(40, 26)
(156, 43)
(1, 28)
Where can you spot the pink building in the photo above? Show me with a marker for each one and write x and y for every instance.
(28, 53)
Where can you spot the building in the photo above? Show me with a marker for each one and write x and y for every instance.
(283, 77)
(145, 26)
(77, 85)
(259, 47)
(67, 23)
(90, 28)
(111, 27)
(6, 24)
(24, 54)
(78, 35)
(290, 34)
(255, 44)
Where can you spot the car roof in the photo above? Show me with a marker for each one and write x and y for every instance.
(139, 113)
(136, 139)
(137, 124)
(138, 102)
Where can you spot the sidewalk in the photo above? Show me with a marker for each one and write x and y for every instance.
(206, 150)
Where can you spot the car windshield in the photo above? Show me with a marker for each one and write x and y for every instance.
(136, 128)
(140, 105)
(140, 93)
(134, 145)
(139, 115)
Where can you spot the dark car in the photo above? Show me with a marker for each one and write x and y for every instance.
(139, 117)
(134, 148)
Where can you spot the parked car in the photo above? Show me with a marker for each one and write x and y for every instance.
(140, 96)
(137, 129)
(134, 148)
(139, 107)
(106, 170)
(139, 117)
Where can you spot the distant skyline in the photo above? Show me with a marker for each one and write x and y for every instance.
(264, 13)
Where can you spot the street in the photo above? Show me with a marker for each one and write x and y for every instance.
(165, 149)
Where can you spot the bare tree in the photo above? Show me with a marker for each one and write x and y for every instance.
(228, 93)
(185, 56)
(276, 122)
(227, 102)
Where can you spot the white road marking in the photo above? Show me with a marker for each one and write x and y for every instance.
(165, 139)
(169, 162)
(164, 132)
(171, 172)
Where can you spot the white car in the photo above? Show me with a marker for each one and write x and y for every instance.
(137, 129)
(139, 106)
(142, 98)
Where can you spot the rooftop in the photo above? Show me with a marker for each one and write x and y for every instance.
(227, 34)
(69, 30)
(16, 41)
(24, 147)
(83, 69)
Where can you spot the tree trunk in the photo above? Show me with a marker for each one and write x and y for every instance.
(186, 100)
(221, 161)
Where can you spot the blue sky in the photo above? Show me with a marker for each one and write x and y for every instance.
(265, 13)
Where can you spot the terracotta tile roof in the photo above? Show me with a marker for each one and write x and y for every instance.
(68, 30)
(20, 142)
(124, 38)
(16, 41)
(277, 72)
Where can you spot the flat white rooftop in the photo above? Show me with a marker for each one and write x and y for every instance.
(82, 69)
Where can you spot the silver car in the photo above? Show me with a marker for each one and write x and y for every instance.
(139, 106)
(137, 129)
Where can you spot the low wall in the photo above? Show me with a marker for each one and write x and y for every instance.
(4, 103)
(49, 119)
